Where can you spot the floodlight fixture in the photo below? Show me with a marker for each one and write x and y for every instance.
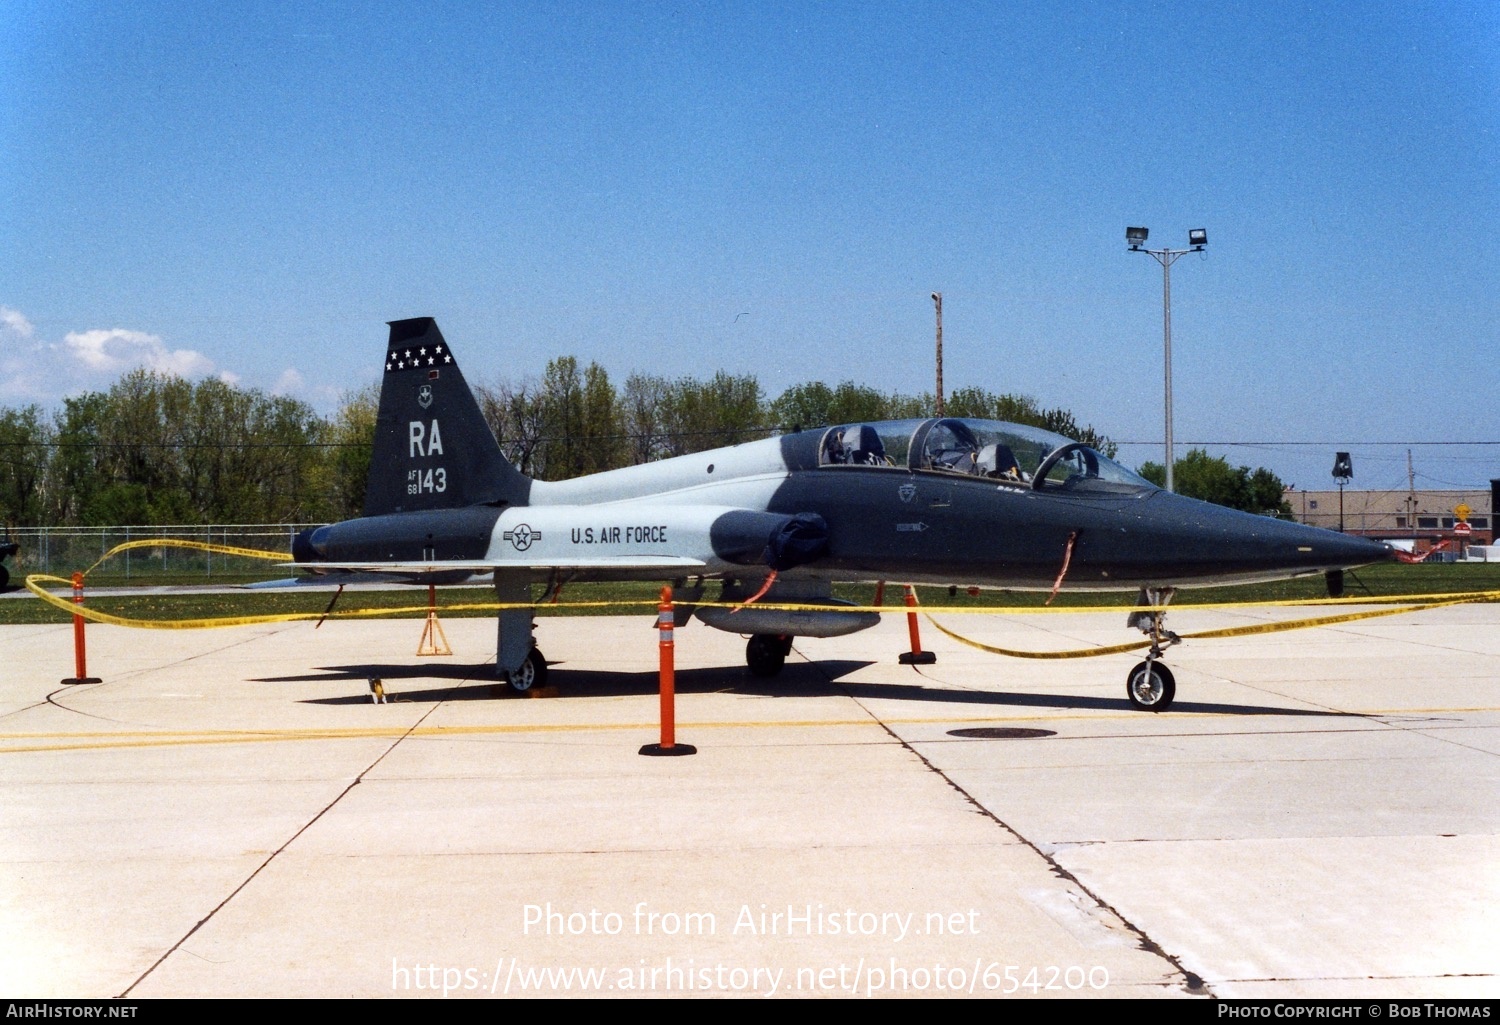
(1197, 239)
(1343, 466)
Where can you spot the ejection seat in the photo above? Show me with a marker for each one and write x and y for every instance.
(863, 446)
(997, 461)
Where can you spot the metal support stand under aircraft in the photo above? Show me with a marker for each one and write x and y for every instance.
(434, 641)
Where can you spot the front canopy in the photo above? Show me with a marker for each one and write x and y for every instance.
(1004, 452)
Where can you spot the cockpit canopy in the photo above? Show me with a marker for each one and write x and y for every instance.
(1009, 454)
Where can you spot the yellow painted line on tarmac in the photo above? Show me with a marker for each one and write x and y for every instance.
(109, 741)
(165, 742)
(1424, 711)
(148, 739)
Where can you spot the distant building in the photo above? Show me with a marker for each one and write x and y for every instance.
(1424, 516)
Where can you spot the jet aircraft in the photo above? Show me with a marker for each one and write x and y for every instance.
(938, 501)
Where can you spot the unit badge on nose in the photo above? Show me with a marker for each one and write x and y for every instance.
(424, 396)
(907, 492)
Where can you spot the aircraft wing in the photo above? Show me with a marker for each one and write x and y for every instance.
(646, 538)
(611, 562)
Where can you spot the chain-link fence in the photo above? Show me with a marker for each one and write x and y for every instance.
(62, 550)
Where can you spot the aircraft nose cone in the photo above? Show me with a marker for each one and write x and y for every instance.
(1298, 546)
(1348, 550)
(1211, 542)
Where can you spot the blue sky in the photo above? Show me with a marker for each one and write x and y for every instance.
(776, 189)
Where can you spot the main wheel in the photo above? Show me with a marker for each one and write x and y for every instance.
(765, 654)
(1150, 687)
(533, 673)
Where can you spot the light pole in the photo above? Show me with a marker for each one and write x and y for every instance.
(937, 299)
(1343, 472)
(1197, 239)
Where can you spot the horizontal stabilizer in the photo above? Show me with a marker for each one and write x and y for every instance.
(361, 576)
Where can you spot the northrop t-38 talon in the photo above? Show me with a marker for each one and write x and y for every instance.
(935, 501)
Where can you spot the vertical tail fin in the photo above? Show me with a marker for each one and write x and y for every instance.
(433, 449)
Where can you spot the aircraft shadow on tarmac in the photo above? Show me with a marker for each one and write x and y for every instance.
(478, 683)
(821, 679)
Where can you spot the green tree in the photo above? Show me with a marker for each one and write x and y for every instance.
(562, 408)
(724, 410)
(643, 413)
(804, 406)
(142, 446)
(116, 462)
(517, 416)
(1212, 479)
(1061, 422)
(604, 445)
(79, 470)
(286, 439)
(910, 407)
(584, 433)
(25, 459)
(351, 440)
(817, 405)
(986, 405)
(1268, 494)
(156, 449)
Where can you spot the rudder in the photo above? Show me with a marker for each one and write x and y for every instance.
(433, 448)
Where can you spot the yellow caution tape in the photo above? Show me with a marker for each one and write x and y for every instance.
(202, 546)
(1231, 631)
(1302, 624)
(33, 584)
(34, 581)
(1113, 649)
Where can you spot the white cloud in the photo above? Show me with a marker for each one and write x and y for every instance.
(38, 370)
(229, 377)
(116, 349)
(23, 361)
(290, 381)
(15, 322)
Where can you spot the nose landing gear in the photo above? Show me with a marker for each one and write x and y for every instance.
(1150, 686)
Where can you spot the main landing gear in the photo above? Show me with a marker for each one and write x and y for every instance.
(1150, 685)
(765, 654)
(532, 674)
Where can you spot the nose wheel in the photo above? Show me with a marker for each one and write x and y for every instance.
(1151, 687)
